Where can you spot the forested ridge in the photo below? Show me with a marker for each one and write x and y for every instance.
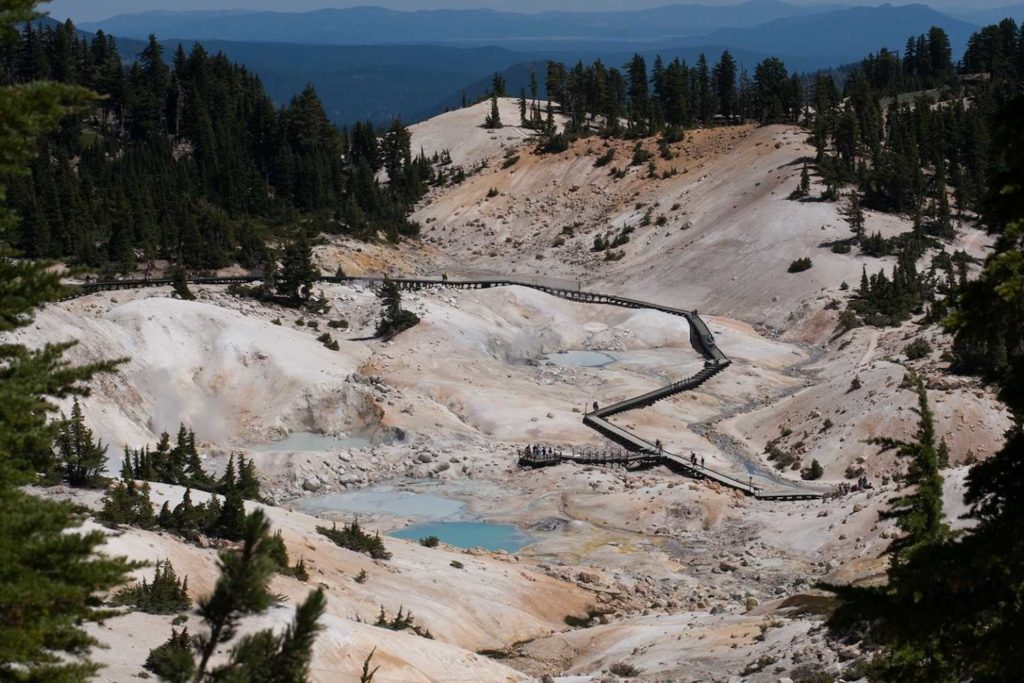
(191, 162)
(906, 132)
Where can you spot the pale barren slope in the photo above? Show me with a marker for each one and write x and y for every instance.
(461, 133)
(489, 604)
(717, 236)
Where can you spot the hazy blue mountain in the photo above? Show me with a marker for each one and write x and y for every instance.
(992, 15)
(416, 81)
(376, 25)
(842, 35)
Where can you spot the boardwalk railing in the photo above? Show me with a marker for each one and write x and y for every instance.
(634, 448)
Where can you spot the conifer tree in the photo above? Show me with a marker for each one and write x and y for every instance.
(298, 273)
(50, 571)
(891, 613)
(394, 319)
(181, 289)
(248, 483)
(242, 590)
(166, 594)
(853, 214)
(80, 459)
(725, 85)
(493, 118)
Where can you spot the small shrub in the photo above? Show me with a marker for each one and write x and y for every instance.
(917, 349)
(605, 158)
(276, 321)
(624, 670)
(814, 471)
(848, 320)
(362, 576)
(510, 161)
(341, 324)
(841, 248)
(401, 622)
(554, 144)
(352, 537)
(455, 564)
(800, 265)
(640, 156)
(855, 384)
(167, 594)
(173, 660)
(493, 192)
(299, 571)
(430, 541)
(559, 241)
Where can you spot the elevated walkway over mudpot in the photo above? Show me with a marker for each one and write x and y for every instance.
(634, 449)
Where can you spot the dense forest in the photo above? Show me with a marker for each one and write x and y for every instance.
(190, 161)
(639, 101)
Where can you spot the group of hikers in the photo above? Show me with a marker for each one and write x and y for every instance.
(538, 451)
(862, 485)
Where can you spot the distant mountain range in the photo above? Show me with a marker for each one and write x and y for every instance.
(377, 25)
(373, 63)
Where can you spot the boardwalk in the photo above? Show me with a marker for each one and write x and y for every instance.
(635, 449)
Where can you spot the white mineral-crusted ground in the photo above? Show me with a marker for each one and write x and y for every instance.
(680, 579)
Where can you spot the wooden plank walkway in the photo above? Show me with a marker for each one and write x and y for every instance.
(635, 450)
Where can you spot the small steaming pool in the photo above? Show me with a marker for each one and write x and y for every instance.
(580, 359)
(308, 441)
(469, 535)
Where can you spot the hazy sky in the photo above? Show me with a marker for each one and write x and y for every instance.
(89, 10)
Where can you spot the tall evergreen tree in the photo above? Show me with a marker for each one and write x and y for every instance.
(80, 458)
(493, 119)
(725, 85)
(853, 214)
(298, 273)
(50, 571)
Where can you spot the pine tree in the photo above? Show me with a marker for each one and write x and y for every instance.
(81, 459)
(394, 319)
(181, 289)
(523, 121)
(128, 504)
(50, 571)
(298, 273)
(892, 613)
(853, 214)
(493, 118)
(172, 661)
(248, 482)
(166, 594)
(241, 590)
(725, 85)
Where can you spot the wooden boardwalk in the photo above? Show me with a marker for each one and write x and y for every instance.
(634, 449)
